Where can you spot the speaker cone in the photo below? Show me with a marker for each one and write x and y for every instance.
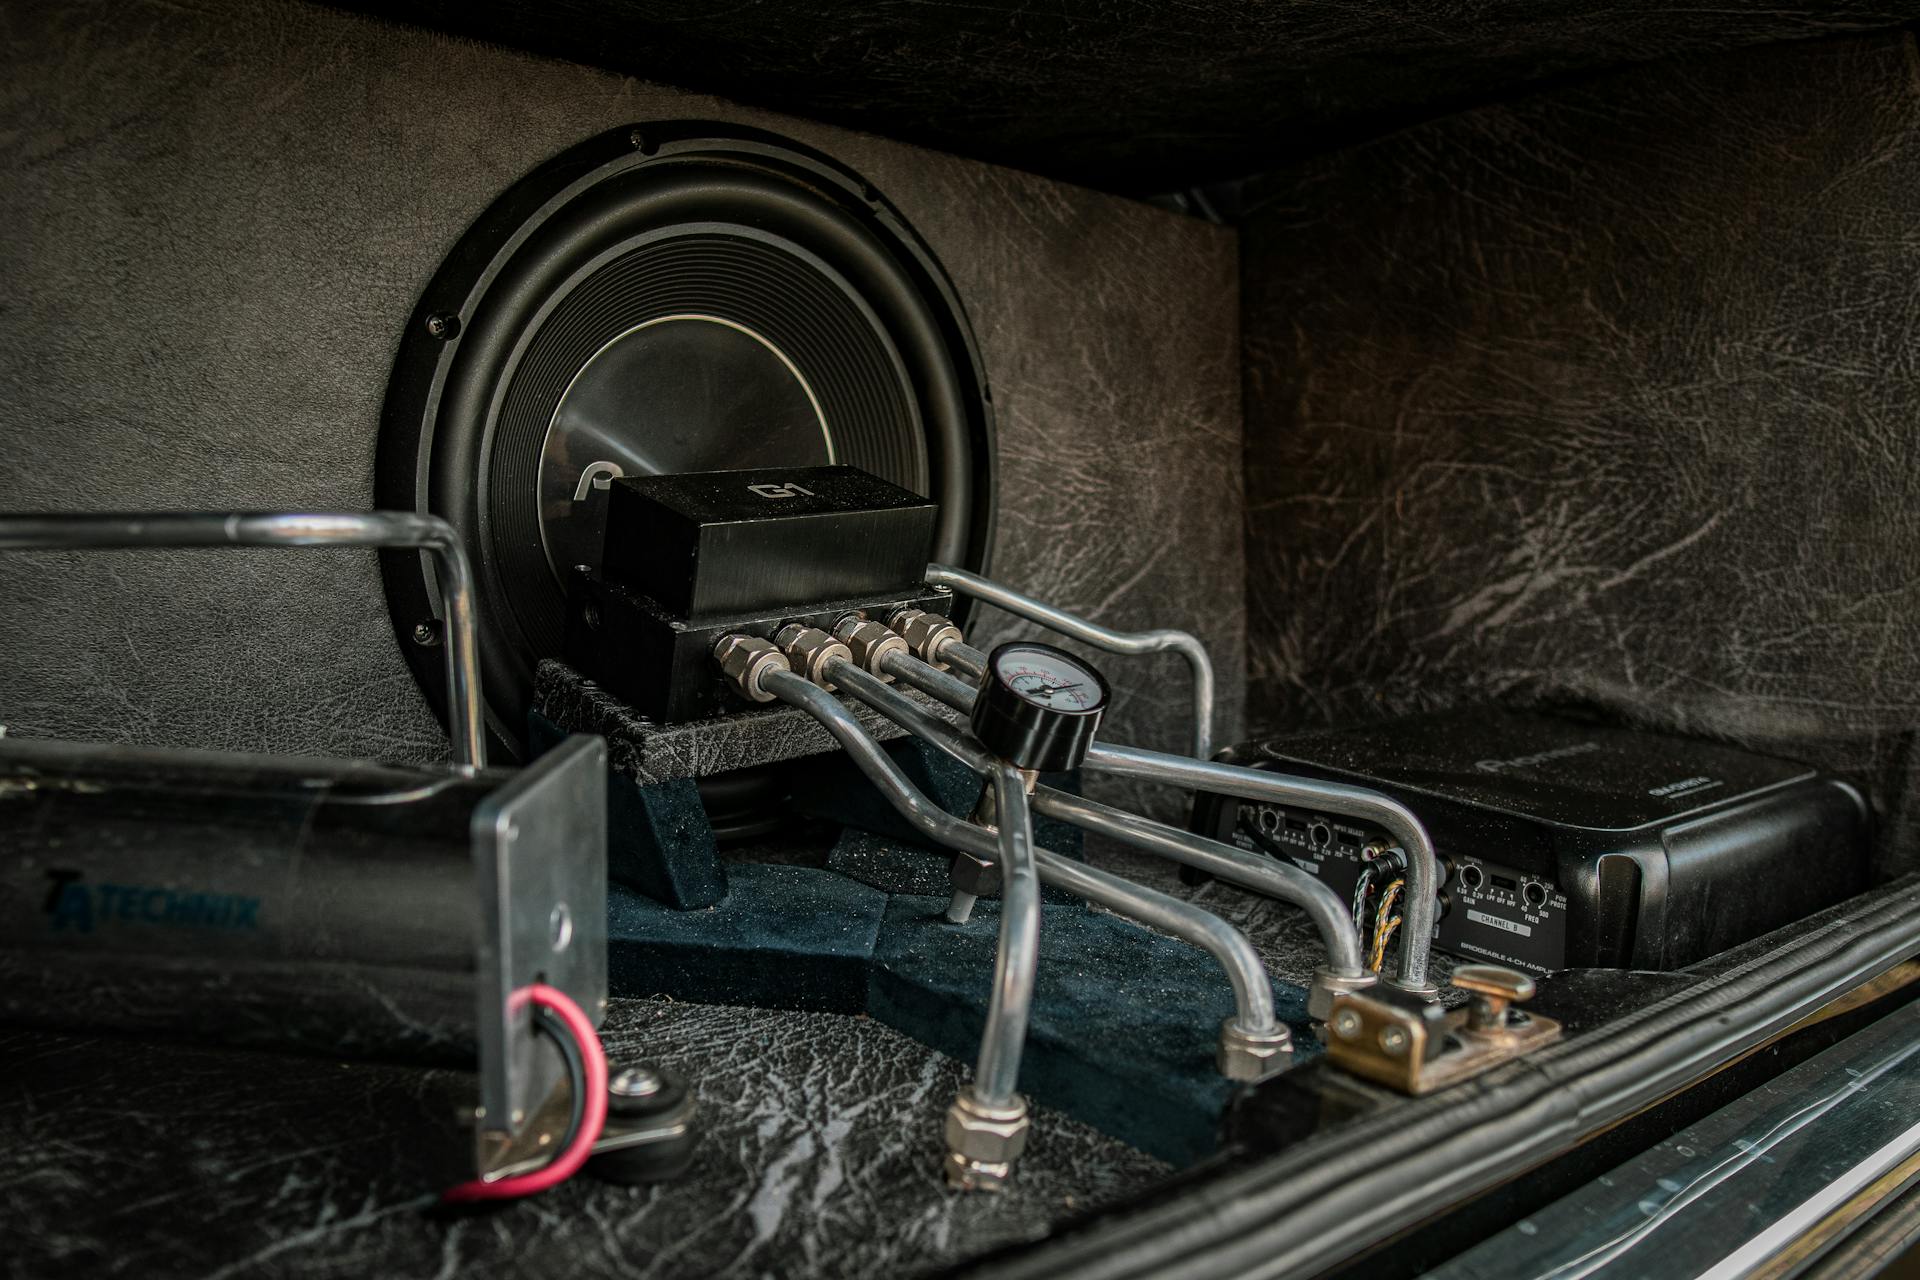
(657, 300)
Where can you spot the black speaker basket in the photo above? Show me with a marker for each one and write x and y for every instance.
(664, 297)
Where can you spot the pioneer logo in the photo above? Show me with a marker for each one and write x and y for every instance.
(74, 905)
(1527, 762)
(788, 490)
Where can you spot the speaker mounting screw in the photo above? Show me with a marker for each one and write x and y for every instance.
(640, 142)
(426, 634)
(443, 325)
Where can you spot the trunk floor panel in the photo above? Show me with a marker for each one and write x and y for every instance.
(819, 1155)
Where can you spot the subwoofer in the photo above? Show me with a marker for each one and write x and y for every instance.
(419, 270)
(660, 299)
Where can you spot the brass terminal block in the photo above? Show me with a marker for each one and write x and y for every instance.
(1415, 1047)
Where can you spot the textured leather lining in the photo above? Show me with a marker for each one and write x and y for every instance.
(1605, 395)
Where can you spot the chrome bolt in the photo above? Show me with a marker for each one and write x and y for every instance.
(635, 1082)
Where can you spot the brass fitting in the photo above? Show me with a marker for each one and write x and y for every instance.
(1247, 1056)
(810, 649)
(745, 661)
(1327, 984)
(983, 1141)
(926, 634)
(869, 643)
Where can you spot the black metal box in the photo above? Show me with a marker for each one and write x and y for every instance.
(713, 543)
(663, 666)
(1568, 843)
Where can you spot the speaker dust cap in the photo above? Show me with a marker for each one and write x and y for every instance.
(659, 300)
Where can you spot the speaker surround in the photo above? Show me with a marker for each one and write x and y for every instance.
(665, 298)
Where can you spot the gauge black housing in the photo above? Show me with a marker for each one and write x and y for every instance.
(1031, 736)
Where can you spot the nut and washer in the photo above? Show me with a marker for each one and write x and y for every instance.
(927, 634)
(745, 662)
(810, 649)
(1327, 985)
(869, 643)
(1248, 1056)
(983, 1141)
(1492, 987)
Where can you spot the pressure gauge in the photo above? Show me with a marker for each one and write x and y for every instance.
(1038, 706)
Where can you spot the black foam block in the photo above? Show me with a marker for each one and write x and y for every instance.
(783, 938)
(659, 840)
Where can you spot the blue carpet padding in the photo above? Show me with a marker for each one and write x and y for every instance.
(660, 842)
(658, 838)
(1124, 1023)
(783, 938)
(831, 786)
(888, 865)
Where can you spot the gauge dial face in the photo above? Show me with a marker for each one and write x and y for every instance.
(1048, 678)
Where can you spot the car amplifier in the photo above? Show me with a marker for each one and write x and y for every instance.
(1568, 843)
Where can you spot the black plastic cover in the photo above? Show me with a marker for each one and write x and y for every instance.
(710, 543)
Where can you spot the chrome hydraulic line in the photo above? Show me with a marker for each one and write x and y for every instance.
(1016, 963)
(1124, 642)
(1423, 873)
(465, 724)
(916, 674)
(1253, 997)
(1344, 969)
(986, 1127)
(965, 659)
(1267, 876)
(1423, 868)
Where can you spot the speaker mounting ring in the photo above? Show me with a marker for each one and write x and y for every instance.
(664, 296)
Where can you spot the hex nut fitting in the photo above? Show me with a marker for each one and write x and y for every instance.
(810, 649)
(969, 874)
(927, 634)
(1327, 985)
(983, 1141)
(1247, 1056)
(869, 643)
(745, 662)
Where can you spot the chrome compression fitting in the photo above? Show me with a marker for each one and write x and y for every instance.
(746, 661)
